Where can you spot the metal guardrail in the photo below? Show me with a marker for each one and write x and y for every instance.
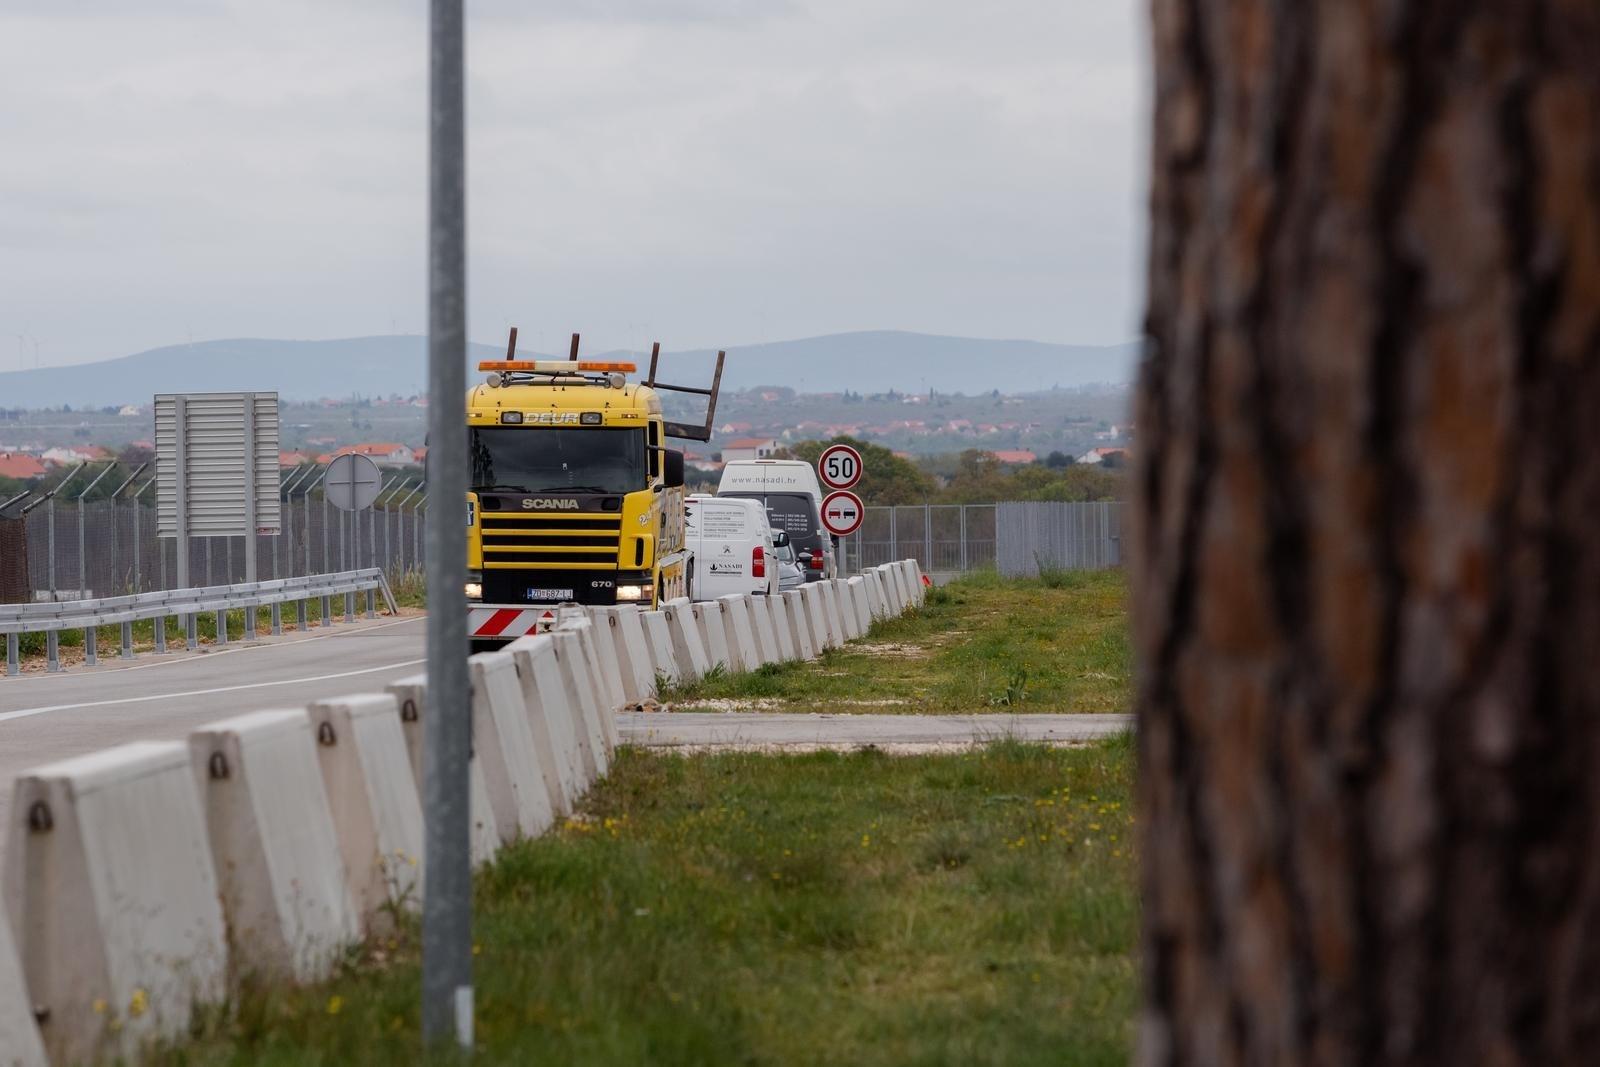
(187, 604)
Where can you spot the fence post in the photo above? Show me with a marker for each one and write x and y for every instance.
(137, 543)
(965, 565)
(927, 538)
(50, 542)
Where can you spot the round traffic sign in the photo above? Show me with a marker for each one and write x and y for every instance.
(352, 482)
(842, 513)
(839, 467)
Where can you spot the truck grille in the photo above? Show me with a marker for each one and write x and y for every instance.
(531, 542)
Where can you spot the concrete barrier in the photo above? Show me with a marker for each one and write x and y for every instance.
(503, 745)
(893, 592)
(713, 635)
(856, 589)
(816, 615)
(877, 601)
(845, 603)
(741, 630)
(687, 647)
(376, 810)
(760, 608)
(659, 639)
(778, 612)
(19, 1035)
(112, 896)
(633, 654)
(910, 588)
(605, 711)
(544, 694)
(799, 624)
(279, 872)
(412, 696)
(582, 705)
(914, 575)
(605, 650)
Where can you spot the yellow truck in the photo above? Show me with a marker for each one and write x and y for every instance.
(575, 497)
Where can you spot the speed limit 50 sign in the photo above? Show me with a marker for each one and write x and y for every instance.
(839, 467)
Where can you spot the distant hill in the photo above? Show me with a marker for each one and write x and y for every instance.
(866, 362)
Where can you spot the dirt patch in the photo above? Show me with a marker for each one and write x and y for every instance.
(729, 704)
(897, 651)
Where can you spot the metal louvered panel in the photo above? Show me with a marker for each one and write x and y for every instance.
(219, 429)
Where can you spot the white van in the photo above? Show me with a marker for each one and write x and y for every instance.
(770, 476)
(730, 547)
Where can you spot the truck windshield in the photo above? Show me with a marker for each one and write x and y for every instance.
(599, 460)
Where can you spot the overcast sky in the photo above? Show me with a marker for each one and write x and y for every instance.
(705, 172)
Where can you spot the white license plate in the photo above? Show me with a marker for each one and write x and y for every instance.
(550, 594)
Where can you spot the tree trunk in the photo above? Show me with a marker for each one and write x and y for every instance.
(1367, 534)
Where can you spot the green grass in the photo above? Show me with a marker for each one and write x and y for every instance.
(983, 643)
(752, 909)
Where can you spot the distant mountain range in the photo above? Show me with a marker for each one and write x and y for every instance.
(866, 362)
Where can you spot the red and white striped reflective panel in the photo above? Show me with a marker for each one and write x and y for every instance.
(509, 622)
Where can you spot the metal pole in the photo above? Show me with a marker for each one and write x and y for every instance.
(964, 564)
(251, 545)
(447, 741)
(50, 542)
(180, 490)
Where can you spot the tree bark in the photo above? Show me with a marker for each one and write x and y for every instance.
(1367, 534)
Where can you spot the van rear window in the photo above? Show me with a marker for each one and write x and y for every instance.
(793, 513)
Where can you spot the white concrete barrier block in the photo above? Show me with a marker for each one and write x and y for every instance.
(582, 704)
(741, 630)
(687, 647)
(604, 645)
(856, 588)
(605, 710)
(799, 624)
(910, 588)
(633, 654)
(766, 635)
(279, 872)
(902, 583)
(788, 647)
(816, 615)
(877, 604)
(713, 635)
(112, 897)
(412, 696)
(503, 745)
(845, 602)
(659, 639)
(914, 575)
(376, 809)
(544, 694)
(19, 1034)
(893, 594)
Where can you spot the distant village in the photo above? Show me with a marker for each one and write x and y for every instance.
(1063, 427)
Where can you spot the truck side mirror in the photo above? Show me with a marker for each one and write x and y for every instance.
(672, 468)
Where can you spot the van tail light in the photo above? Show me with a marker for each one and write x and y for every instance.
(817, 560)
(758, 562)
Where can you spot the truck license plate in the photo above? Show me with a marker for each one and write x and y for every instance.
(550, 594)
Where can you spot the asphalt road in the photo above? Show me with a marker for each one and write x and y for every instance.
(47, 717)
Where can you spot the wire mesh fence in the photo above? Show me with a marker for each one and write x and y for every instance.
(1014, 538)
(110, 548)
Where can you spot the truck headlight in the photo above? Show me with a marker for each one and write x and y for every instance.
(634, 592)
(474, 586)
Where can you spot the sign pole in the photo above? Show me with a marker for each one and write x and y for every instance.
(180, 487)
(250, 460)
(447, 741)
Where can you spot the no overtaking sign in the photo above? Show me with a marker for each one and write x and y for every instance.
(842, 513)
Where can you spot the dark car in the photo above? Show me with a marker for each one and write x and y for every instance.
(796, 515)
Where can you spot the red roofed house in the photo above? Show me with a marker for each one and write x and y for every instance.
(1015, 457)
(748, 448)
(20, 466)
(384, 454)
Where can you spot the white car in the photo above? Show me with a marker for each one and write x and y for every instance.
(730, 547)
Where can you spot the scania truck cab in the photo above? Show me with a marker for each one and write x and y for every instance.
(575, 497)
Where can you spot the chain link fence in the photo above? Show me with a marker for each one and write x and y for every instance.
(106, 548)
(1014, 538)
(110, 548)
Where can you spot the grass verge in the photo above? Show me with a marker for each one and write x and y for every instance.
(982, 643)
(819, 909)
